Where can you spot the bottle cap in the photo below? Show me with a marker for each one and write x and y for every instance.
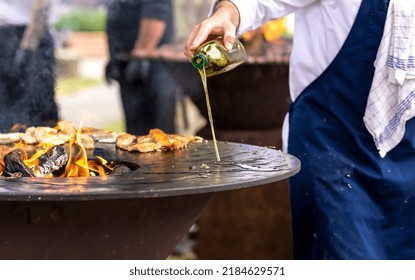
(199, 61)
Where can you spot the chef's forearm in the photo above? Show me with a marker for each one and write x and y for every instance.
(37, 25)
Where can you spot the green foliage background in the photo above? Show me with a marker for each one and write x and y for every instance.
(83, 20)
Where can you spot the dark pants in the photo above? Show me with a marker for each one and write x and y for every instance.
(27, 90)
(150, 104)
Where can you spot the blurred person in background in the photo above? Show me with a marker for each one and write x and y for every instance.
(26, 64)
(148, 92)
(352, 83)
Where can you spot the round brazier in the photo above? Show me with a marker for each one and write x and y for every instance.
(136, 228)
(139, 215)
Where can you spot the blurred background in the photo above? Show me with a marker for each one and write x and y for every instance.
(248, 103)
(82, 53)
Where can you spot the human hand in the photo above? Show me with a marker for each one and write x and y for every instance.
(223, 22)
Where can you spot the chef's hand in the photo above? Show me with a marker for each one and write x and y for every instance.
(223, 22)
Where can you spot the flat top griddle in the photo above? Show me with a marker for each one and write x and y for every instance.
(160, 174)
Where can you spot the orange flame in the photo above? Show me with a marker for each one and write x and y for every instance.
(78, 164)
(271, 30)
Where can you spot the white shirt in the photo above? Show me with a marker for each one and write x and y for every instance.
(18, 12)
(321, 28)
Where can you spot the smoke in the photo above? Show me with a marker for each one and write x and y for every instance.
(26, 81)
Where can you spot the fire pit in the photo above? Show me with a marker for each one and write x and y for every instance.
(138, 215)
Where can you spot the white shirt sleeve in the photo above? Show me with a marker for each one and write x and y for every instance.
(255, 13)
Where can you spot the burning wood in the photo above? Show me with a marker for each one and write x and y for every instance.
(54, 159)
(39, 151)
(14, 166)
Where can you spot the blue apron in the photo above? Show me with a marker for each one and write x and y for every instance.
(347, 202)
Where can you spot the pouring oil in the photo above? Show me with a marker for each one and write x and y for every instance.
(202, 73)
(212, 59)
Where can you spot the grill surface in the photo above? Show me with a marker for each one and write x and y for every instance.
(178, 172)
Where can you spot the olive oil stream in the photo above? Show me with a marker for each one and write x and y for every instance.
(212, 58)
(202, 73)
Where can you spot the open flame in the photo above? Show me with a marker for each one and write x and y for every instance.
(270, 31)
(78, 164)
(271, 42)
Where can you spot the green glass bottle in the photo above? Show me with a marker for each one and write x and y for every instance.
(216, 59)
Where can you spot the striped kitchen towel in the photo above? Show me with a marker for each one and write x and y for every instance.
(391, 100)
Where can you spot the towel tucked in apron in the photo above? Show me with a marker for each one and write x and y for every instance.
(391, 100)
(347, 201)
